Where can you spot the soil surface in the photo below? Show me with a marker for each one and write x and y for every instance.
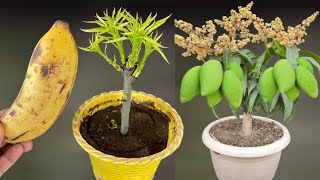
(229, 132)
(147, 135)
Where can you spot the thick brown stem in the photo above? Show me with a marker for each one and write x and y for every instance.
(247, 124)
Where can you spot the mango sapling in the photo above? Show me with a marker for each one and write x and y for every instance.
(115, 29)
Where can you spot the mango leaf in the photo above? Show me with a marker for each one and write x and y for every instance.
(257, 68)
(279, 49)
(314, 62)
(292, 55)
(156, 24)
(253, 98)
(234, 111)
(288, 106)
(215, 113)
(257, 107)
(248, 55)
(276, 109)
(117, 40)
(274, 101)
(310, 54)
(265, 107)
(237, 59)
(153, 42)
(226, 58)
(212, 57)
(292, 113)
(94, 30)
(244, 80)
(252, 84)
(162, 54)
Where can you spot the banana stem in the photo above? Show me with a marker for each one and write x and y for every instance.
(126, 100)
(247, 124)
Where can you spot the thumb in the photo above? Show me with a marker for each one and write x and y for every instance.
(1, 134)
(2, 112)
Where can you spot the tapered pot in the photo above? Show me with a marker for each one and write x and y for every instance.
(108, 167)
(245, 163)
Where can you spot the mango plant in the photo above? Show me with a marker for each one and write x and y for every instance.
(115, 29)
(248, 81)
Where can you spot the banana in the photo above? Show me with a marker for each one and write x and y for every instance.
(46, 88)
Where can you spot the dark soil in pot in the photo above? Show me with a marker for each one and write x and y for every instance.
(147, 135)
(230, 132)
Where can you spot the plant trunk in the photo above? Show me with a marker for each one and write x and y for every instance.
(126, 100)
(247, 124)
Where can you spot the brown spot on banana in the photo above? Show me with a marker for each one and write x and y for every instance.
(33, 112)
(35, 69)
(62, 88)
(28, 76)
(18, 104)
(12, 113)
(13, 139)
(45, 71)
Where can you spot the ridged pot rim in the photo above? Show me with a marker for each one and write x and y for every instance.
(171, 147)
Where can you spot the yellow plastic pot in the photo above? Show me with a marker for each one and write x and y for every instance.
(108, 167)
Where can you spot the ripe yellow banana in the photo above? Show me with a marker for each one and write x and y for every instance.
(48, 82)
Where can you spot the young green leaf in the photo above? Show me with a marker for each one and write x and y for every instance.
(156, 24)
(94, 30)
(120, 39)
(153, 42)
(162, 54)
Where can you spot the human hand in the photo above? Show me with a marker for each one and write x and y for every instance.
(10, 153)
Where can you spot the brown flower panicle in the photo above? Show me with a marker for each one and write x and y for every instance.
(201, 40)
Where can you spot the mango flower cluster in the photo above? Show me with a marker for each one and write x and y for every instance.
(201, 40)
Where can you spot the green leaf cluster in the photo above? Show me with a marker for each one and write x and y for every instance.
(253, 66)
(119, 26)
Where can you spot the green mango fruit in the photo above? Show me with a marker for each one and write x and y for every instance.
(232, 88)
(305, 63)
(268, 85)
(307, 82)
(211, 75)
(284, 74)
(214, 98)
(236, 68)
(190, 84)
(293, 93)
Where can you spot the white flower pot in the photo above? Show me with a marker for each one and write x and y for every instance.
(245, 163)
